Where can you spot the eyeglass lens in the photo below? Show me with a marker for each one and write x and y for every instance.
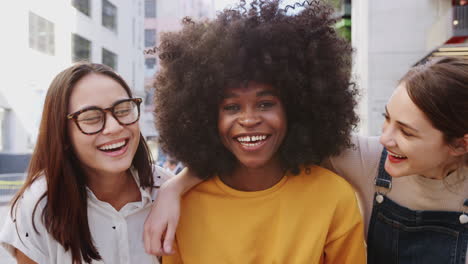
(92, 120)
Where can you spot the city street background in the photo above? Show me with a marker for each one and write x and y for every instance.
(42, 37)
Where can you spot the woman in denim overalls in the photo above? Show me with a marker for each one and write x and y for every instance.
(425, 136)
(419, 214)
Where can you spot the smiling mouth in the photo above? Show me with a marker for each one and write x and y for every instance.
(396, 156)
(114, 146)
(252, 140)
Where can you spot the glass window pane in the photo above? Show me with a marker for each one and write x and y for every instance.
(109, 15)
(81, 48)
(150, 37)
(150, 67)
(150, 8)
(41, 34)
(109, 58)
(2, 128)
(83, 6)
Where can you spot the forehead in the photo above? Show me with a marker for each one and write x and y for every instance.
(95, 90)
(252, 88)
(403, 109)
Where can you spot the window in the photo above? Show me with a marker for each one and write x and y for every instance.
(83, 6)
(41, 34)
(109, 58)
(81, 48)
(2, 128)
(150, 37)
(150, 8)
(109, 15)
(4, 114)
(150, 67)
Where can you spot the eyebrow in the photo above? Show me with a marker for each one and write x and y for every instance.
(259, 94)
(403, 124)
(90, 107)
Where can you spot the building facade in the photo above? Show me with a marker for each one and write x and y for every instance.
(162, 16)
(42, 37)
(391, 36)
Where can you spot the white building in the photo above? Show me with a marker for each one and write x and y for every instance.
(161, 16)
(391, 36)
(42, 37)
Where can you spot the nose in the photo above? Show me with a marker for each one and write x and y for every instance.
(387, 137)
(249, 118)
(112, 126)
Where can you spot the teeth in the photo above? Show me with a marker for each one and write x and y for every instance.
(113, 146)
(251, 144)
(251, 138)
(397, 156)
(244, 139)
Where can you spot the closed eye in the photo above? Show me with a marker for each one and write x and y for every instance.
(406, 133)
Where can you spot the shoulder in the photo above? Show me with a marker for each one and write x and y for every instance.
(326, 179)
(24, 229)
(333, 189)
(160, 175)
(32, 195)
(320, 184)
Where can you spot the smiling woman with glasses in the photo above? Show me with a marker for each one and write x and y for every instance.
(91, 181)
(92, 120)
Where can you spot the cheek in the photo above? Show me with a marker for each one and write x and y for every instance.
(136, 134)
(82, 144)
(223, 125)
(280, 122)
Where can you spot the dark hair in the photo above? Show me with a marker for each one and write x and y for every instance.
(300, 55)
(440, 89)
(54, 158)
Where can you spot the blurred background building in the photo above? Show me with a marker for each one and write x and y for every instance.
(391, 36)
(43, 37)
(161, 16)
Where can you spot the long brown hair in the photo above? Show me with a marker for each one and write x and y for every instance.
(53, 157)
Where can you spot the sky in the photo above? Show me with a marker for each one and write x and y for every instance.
(221, 4)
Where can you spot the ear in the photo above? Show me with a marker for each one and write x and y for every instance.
(460, 146)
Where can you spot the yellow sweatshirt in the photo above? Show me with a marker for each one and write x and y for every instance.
(308, 218)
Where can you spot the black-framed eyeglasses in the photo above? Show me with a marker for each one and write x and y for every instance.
(92, 120)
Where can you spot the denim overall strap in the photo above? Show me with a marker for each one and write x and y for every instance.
(399, 235)
(383, 179)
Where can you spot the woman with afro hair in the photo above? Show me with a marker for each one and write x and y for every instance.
(252, 102)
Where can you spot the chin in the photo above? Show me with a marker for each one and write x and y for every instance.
(394, 172)
(253, 164)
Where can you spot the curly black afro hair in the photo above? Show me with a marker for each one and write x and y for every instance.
(299, 54)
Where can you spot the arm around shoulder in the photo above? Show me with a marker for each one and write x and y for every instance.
(162, 222)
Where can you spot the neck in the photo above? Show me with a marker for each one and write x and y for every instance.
(442, 171)
(254, 179)
(117, 189)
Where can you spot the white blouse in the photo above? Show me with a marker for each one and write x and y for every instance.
(117, 235)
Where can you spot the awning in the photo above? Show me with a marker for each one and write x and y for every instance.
(447, 50)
